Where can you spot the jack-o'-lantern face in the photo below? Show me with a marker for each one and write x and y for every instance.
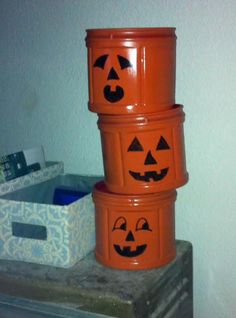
(131, 241)
(151, 170)
(113, 74)
(117, 94)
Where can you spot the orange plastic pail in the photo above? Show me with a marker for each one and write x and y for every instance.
(134, 231)
(143, 153)
(131, 70)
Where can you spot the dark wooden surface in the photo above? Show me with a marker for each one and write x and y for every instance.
(90, 289)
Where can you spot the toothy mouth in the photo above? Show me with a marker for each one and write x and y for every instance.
(113, 96)
(126, 250)
(149, 175)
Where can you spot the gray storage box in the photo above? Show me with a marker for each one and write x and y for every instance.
(35, 230)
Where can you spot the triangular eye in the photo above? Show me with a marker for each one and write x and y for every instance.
(124, 63)
(162, 144)
(135, 145)
(100, 61)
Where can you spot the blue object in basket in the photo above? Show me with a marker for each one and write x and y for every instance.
(65, 195)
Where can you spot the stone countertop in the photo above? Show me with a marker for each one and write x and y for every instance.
(92, 287)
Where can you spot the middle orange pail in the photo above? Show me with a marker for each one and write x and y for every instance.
(134, 231)
(131, 70)
(143, 153)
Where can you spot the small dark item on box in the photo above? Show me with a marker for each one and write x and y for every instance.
(65, 195)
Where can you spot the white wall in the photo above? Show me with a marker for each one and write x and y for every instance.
(43, 100)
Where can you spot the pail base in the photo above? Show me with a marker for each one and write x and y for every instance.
(136, 266)
(145, 188)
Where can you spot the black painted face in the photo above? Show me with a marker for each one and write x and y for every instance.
(149, 175)
(112, 96)
(127, 250)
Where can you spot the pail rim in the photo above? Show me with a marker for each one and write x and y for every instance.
(100, 192)
(130, 33)
(174, 113)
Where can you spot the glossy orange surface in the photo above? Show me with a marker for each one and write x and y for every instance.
(131, 70)
(144, 153)
(134, 231)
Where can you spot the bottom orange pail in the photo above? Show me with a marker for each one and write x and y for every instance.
(134, 231)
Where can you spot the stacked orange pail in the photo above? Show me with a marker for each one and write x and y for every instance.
(132, 89)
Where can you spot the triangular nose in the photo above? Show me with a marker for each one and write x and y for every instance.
(130, 237)
(150, 160)
(112, 75)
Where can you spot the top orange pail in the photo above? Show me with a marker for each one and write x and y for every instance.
(132, 70)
